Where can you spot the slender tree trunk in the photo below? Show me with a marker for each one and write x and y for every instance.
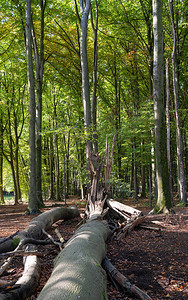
(94, 95)
(153, 172)
(143, 171)
(150, 185)
(32, 205)
(64, 180)
(162, 175)
(135, 174)
(12, 158)
(84, 67)
(168, 129)
(17, 170)
(132, 172)
(39, 65)
(181, 179)
(17, 177)
(143, 181)
(1, 158)
(51, 164)
(56, 151)
(67, 163)
(117, 120)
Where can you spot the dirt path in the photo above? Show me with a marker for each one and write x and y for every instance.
(155, 261)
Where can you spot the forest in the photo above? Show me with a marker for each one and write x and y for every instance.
(119, 96)
(93, 107)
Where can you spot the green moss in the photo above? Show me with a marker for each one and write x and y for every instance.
(15, 242)
(104, 295)
(33, 212)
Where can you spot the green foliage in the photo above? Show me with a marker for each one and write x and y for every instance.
(121, 189)
(124, 95)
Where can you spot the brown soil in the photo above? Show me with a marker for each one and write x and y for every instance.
(155, 261)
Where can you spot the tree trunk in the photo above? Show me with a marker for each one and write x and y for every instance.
(39, 65)
(17, 177)
(135, 172)
(11, 161)
(56, 149)
(94, 94)
(168, 129)
(84, 66)
(33, 204)
(181, 176)
(51, 169)
(143, 181)
(163, 198)
(78, 273)
(1, 159)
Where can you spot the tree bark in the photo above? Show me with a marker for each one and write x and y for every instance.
(94, 94)
(163, 198)
(78, 273)
(56, 148)
(33, 204)
(181, 175)
(39, 66)
(84, 66)
(168, 129)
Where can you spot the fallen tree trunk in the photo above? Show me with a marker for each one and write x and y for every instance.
(78, 273)
(29, 280)
(37, 224)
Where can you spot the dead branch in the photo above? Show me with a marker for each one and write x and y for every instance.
(53, 241)
(149, 227)
(21, 253)
(129, 227)
(123, 281)
(9, 237)
(27, 284)
(59, 235)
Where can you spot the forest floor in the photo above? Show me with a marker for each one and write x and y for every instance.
(153, 260)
